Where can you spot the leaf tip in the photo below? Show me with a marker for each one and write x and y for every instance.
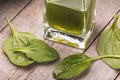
(116, 17)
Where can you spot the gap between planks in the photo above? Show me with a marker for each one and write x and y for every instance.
(90, 43)
(100, 32)
(16, 15)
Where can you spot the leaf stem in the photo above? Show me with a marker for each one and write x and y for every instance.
(114, 25)
(10, 25)
(105, 56)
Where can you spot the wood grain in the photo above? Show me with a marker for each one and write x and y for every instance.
(30, 20)
(10, 8)
(104, 13)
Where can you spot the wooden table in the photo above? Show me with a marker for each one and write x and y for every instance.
(27, 15)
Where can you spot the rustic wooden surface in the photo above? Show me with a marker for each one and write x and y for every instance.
(27, 15)
(10, 8)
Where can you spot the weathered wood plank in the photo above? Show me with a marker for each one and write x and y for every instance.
(10, 8)
(30, 20)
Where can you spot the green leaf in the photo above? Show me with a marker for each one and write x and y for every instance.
(109, 44)
(17, 39)
(72, 66)
(38, 51)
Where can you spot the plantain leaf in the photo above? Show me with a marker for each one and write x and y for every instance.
(38, 51)
(109, 44)
(17, 39)
(72, 66)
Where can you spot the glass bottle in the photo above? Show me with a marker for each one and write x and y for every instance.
(69, 22)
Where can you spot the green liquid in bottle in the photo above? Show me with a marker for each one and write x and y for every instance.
(65, 19)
